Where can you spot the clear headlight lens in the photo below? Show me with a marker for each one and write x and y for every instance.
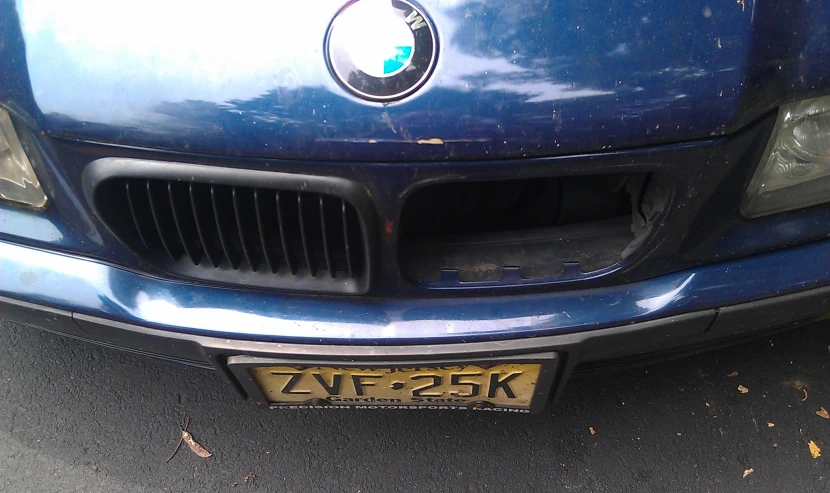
(795, 169)
(18, 182)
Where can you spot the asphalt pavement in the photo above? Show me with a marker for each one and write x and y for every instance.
(77, 417)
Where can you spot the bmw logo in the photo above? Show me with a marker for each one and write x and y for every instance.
(381, 50)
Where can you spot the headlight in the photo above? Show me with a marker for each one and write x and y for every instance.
(795, 169)
(18, 182)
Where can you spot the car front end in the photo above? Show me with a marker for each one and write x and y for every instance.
(444, 204)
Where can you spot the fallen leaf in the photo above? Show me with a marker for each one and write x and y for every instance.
(592, 430)
(733, 374)
(823, 413)
(748, 472)
(805, 395)
(194, 446)
(770, 425)
(742, 389)
(814, 450)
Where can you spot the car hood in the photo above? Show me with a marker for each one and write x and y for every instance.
(522, 78)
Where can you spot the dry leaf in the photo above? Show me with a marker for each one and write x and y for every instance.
(733, 374)
(814, 450)
(742, 389)
(194, 446)
(770, 425)
(592, 430)
(805, 395)
(823, 413)
(748, 472)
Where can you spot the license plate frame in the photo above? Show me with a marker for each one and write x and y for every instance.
(243, 368)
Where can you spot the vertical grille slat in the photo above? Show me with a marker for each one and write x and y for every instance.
(243, 232)
(329, 263)
(346, 238)
(201, 234)
(217, 216)
(260, 229)
(165, 242)
(303, 235)
(245, 250)
(283, 237)
(139, 229)
(179, 225)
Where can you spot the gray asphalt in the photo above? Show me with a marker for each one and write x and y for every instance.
(76, 417)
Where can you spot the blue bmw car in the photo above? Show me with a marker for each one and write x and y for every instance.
(448, 204)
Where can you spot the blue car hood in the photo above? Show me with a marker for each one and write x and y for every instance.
(513, 79)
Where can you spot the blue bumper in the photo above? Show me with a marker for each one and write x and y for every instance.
(87, 288)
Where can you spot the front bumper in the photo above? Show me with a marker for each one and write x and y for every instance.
(204, 325)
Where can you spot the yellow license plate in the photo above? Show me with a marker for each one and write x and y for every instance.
(504, 385)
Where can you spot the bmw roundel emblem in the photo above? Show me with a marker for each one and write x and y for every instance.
(381, 50)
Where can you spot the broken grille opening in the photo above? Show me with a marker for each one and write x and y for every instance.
(239, 234)
(519, 231)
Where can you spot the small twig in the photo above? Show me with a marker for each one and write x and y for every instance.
(181, 439)
(175, 451)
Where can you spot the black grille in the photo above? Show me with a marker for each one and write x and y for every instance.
(249, 235)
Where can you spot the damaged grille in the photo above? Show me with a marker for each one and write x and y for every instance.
(513, 232)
